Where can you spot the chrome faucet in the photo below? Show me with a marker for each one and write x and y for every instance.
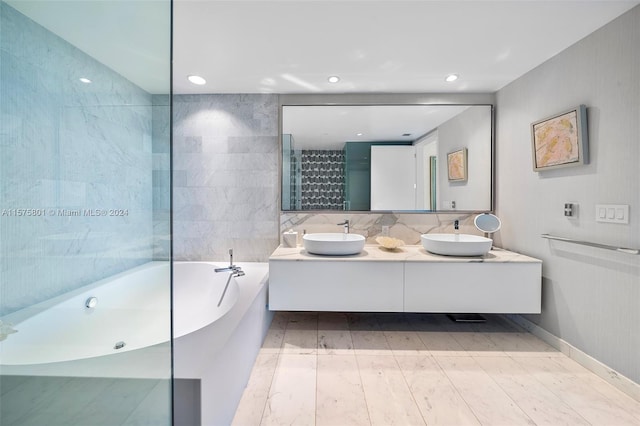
(231, 268)
(456, 226)
(346, 225)
(236, 271)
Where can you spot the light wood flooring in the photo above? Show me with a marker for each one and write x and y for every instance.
(415, 369)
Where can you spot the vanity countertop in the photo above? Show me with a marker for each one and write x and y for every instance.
(408, 253)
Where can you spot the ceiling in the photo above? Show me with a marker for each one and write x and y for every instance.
(292, 46)
(374, 46)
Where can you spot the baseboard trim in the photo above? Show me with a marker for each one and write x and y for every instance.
(611, 376)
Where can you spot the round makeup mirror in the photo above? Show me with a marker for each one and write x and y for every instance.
(487, 223)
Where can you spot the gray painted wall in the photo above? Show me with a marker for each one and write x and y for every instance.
(591, 297)
(225, 176)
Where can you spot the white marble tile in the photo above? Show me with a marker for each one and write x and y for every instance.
(369, 342)
(114, 404)
(487, 400)
(233, 159)
(340, 398)
(405, 343)
(608, 390)
(252, 405)
(478, 344)
(437, 398)
(300, 341)
(432, 322)
(408, 253)
(393, 322)
(579, 394)
(33, 396)
(155, 409)
(332, 321)
(514, 377)
(275, 335)
(441, 343)
(292, 397)
(302, 321)
(273, 341)
(495, 323)
(335, 342)
(280, 320)
(522, 344)
(407, 227)
(8, 383)
(363, 321)
(389, 399)
(538, 402)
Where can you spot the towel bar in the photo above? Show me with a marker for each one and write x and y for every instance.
(586, 243)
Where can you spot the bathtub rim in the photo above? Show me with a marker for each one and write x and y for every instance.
(43, 368)
(16, 317)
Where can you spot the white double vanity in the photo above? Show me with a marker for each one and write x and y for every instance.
(407, 279)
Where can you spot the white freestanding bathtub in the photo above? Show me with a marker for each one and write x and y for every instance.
(131, 321)
(127, 332)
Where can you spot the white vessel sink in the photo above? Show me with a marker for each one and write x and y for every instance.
(456, 244)
(333, 244)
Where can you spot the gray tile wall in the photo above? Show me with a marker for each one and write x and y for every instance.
(225, 180)
(66, 145)
(225, 176)
(161, 177)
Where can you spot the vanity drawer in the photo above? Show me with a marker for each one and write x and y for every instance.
(336, 285)
(480, 287)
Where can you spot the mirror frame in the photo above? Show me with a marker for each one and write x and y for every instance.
(442, 99)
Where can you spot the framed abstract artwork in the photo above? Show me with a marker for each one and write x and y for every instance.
(560, 140)
(457, 165)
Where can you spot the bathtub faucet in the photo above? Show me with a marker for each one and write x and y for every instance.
(235, 270)
(231, 268)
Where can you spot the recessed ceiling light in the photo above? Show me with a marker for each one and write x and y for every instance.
(85, 80)
(358, 134)
(196, 79)
(451, 77)
(334, 79)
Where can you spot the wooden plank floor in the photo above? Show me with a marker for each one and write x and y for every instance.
(340, 369)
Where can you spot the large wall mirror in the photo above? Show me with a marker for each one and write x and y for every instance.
(422, 158)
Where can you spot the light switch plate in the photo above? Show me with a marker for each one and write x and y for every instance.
(570, 210)
(612, 213)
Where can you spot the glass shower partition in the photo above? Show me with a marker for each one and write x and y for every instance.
(85, 242)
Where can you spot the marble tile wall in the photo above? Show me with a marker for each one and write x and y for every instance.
(226, 188)
(161, 177)
(225, 176)
(407, 227)
(68, 147)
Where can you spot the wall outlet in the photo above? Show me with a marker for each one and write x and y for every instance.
(571, 210)
(612, 213)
